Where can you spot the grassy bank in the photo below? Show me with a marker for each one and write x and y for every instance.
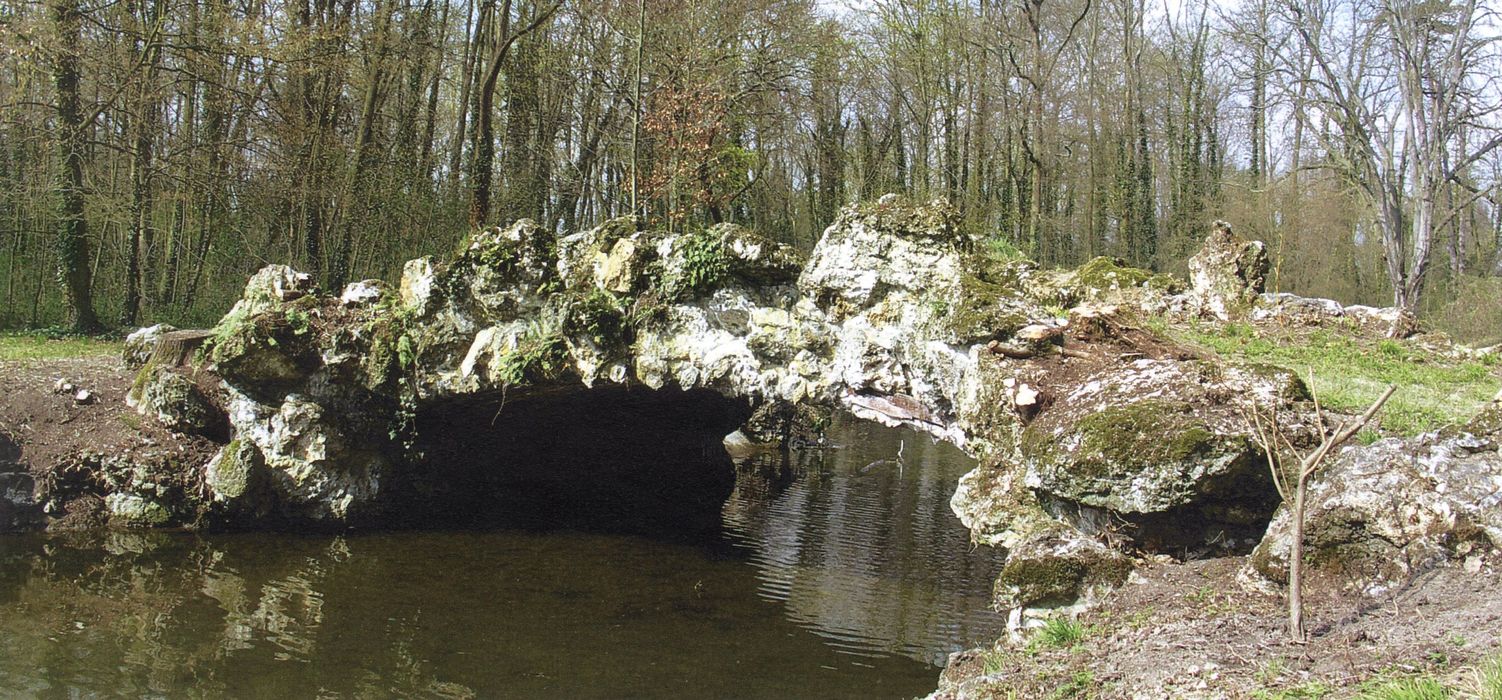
(1434, 389)
(16, 347)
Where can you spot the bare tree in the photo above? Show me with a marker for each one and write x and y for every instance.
(1291, 473)
(1403, 85)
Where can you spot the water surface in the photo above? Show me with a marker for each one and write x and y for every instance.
(835, 579)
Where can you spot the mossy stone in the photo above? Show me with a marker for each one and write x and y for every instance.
(982, 310)
(1142, 457)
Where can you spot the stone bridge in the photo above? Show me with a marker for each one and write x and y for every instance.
(540, 351)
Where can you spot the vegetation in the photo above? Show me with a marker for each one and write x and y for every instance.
(1349, 373)
(38, 346)
(1407, 689)
(157, 152)
(1060, 633)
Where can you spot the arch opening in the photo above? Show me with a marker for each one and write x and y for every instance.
(606, 459)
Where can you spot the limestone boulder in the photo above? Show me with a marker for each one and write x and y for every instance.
(1227, 273)
(315, 469)
(1163, 447)
(872, 250)
(1379, 514)
(271, 287)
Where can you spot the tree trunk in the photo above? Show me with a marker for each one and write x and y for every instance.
(73, 233)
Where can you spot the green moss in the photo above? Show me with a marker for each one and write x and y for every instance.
(268, 346)
(142, 378)
(231, 476)
(1125, 440)
(1024, 581)
(1030, 579)
(983, 310)
(1105, 273)
(539, 355)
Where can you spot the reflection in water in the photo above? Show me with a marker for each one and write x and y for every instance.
(864, 550)
(831, 583)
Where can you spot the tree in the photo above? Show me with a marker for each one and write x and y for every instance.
(1291, 473)
(1399, 100)
(73, 232)
(484, 158)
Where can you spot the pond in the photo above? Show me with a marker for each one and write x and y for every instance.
(837, 575)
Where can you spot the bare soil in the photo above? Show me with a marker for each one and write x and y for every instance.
(1189, 630)
(62, 441)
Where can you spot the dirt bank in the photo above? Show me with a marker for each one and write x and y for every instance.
(70, 446)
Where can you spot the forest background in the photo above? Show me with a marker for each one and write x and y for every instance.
(153, 153)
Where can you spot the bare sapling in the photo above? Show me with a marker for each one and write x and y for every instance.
(1291, 472)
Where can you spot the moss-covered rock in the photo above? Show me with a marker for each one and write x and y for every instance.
(982, 310)
(174, 397)
(1057, 567)
(135, 510)
(1379, 514)
(238, 479)
(1143, 457)
(1104, 277)
(272, 347)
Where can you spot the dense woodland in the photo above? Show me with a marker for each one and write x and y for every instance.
(155, 152)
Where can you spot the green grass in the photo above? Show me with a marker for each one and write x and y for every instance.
(1059, 633)
(1350, 373)
(1407, 689)
(1486, 680)
(1080, 685)
(1313, 689)
(36, 346)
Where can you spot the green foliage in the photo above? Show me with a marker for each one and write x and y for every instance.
(994, 662)
(705, 262)
(539, 354)
(405, 353)
(42, 346)
(299, 321)
(1349, 373)
(598, 316)
(1271, 671)
(1001, 249)
(1311, 690)
(1079, 685)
